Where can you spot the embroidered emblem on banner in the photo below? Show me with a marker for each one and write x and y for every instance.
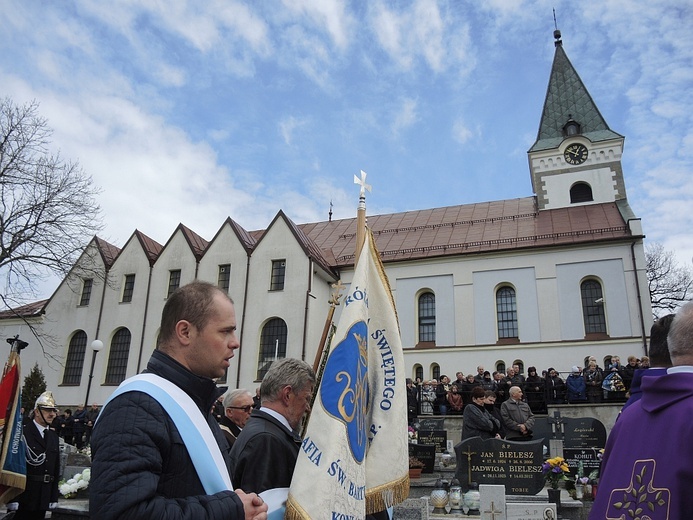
(344, 389)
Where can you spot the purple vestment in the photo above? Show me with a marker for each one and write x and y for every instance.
(648, 460)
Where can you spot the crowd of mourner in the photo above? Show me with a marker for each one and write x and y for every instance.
(591, 384)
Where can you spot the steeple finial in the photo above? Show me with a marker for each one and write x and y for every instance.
(556, 32)
(330, 213)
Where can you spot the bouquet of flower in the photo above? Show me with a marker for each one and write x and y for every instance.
(554, 471)
(412, 434)
(69, 488)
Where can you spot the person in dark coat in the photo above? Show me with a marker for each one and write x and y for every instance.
(628, 371)
(92, 415)
(491, 408)
(576, 388)
(593, 382)
(412, 402)
(442, 394)
(467, 386)
(67, 425)
(660, 359)
(477, 422)
(555, 388)
(42, 462)
(237, 405)
(264, 455)
(79, 426)
(534, 391)
(141, 467)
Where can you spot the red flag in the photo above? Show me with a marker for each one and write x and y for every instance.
(12, 457)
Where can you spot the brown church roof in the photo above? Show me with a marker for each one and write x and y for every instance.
(471, 228)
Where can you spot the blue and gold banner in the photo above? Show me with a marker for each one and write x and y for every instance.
(354, 458)
(12, 458)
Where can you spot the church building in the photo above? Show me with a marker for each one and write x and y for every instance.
(545, 280)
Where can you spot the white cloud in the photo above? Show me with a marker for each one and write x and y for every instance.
(288, 125)
(460, 132)
(406, 115)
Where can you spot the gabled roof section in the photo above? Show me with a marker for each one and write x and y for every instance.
(307, 244)
(108, 252)
(485, 227)
(198, 245)
(30, 310)
(244, 237)
(151, 247)
(566, 97)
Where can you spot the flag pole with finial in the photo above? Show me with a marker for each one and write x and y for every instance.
(361, 215)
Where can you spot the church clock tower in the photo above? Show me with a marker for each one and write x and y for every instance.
(576, 158)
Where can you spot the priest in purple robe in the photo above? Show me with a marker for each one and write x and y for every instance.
(647, 468)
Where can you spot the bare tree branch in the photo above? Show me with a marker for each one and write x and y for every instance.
(48, 210)
(670, 284)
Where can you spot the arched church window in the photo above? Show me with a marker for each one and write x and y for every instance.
(506, 313)
(118, 357)
(75, 358)
(427, 317)
(581, 192)
(272, 345)
(593, 307)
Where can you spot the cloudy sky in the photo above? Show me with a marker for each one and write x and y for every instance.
(194, 111)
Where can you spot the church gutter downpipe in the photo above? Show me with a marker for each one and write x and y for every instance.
(240, 335)
(637, 290)
(144, 319)
(305, 310)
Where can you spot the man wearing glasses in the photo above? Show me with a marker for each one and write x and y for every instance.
(237, 407)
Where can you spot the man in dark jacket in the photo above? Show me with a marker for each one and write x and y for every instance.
(79, 425)
(42, 462)
(92, 415)
(141, 467)
(237, 405)
(264, 455)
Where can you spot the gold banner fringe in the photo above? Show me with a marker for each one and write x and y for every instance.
(398, 491)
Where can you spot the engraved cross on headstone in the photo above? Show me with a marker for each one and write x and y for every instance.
(469, 454)
(493, 511)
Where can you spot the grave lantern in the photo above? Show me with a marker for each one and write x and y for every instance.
(455, 498)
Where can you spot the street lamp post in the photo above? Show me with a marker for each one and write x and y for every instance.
(96, 345)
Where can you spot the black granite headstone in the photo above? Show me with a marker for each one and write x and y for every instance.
(588, 456)
(583, 432)
(439, 438)
(515, 465)
(431, 423)
(426, 453)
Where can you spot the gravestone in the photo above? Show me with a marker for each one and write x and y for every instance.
(431, 423)
(588, 456)
(492, 502)
(583, 432)
(439, 438)
(426, 453)
(530, 511)
(412, 509)
(583, 438)
(513, 464)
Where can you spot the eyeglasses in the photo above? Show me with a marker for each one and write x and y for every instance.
(246, 408)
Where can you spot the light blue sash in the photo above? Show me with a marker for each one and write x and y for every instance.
(197, 436)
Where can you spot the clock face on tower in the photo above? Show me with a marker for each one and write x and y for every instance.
(575, 153)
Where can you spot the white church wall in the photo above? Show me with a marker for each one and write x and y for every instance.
(610, 274)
